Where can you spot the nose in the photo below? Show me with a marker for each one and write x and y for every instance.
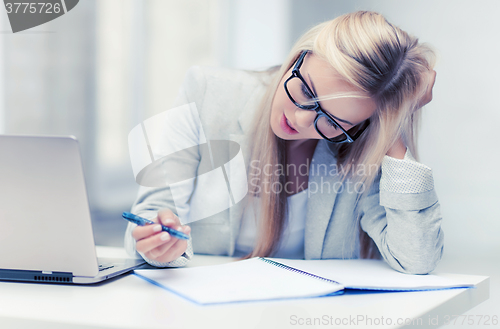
(304, 118)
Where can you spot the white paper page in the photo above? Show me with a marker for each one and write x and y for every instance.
(245, 280)
(370, 274)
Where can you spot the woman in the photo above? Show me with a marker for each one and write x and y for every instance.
(344, 107)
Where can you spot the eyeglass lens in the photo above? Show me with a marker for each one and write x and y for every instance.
(303, 98)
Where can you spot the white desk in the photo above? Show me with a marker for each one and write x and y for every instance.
(130, 302)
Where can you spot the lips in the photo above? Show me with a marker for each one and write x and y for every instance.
(286, 127)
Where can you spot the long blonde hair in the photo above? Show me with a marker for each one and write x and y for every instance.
(386, 64)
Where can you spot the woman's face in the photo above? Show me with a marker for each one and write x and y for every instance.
(292, 123)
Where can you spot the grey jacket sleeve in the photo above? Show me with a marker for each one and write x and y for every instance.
(402, 215)
(151, 199)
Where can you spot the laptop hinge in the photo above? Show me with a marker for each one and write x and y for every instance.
(36, 276)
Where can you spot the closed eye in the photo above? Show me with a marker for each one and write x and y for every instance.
(332, 124)
(306, 92)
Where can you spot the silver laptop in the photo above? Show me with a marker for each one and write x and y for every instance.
(45, 225)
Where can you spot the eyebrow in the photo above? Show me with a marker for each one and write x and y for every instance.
(314, 90)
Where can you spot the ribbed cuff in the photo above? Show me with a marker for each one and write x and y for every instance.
(408, 201)
(405, 175)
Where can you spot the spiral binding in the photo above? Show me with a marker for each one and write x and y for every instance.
(292, 269)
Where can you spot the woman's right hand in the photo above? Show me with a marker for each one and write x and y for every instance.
(158, 245)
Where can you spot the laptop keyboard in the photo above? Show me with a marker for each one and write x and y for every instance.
(103, 267)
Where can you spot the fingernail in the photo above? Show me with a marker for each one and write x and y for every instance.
(157, 228)
(168, 222)
(165, 236)
(187, 229)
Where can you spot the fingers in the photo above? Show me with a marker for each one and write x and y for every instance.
(427, 97)
(433, 78)
(168, 218)
(141, 232)
(168, 251)
(163, 247)
(158, 245)
(165, 217)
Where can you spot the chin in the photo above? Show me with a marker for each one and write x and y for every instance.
(280, 134)
(285, 136)
(277, 135)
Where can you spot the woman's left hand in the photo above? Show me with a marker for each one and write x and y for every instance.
(428, 94)
(398, 150)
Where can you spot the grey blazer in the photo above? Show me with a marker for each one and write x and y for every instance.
(404, 223)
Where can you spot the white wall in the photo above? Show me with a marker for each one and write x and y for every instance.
(459, 137)
(3, 29)
(258, 33)
(143, 50)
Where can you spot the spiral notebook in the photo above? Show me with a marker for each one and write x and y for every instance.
(260, 278)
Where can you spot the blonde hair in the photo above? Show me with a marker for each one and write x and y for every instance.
(387, 65)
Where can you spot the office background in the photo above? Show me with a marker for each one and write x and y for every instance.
(107, 65)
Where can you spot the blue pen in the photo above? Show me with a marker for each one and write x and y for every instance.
(143, 221)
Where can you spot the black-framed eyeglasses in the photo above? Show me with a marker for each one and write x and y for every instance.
(303, 97)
